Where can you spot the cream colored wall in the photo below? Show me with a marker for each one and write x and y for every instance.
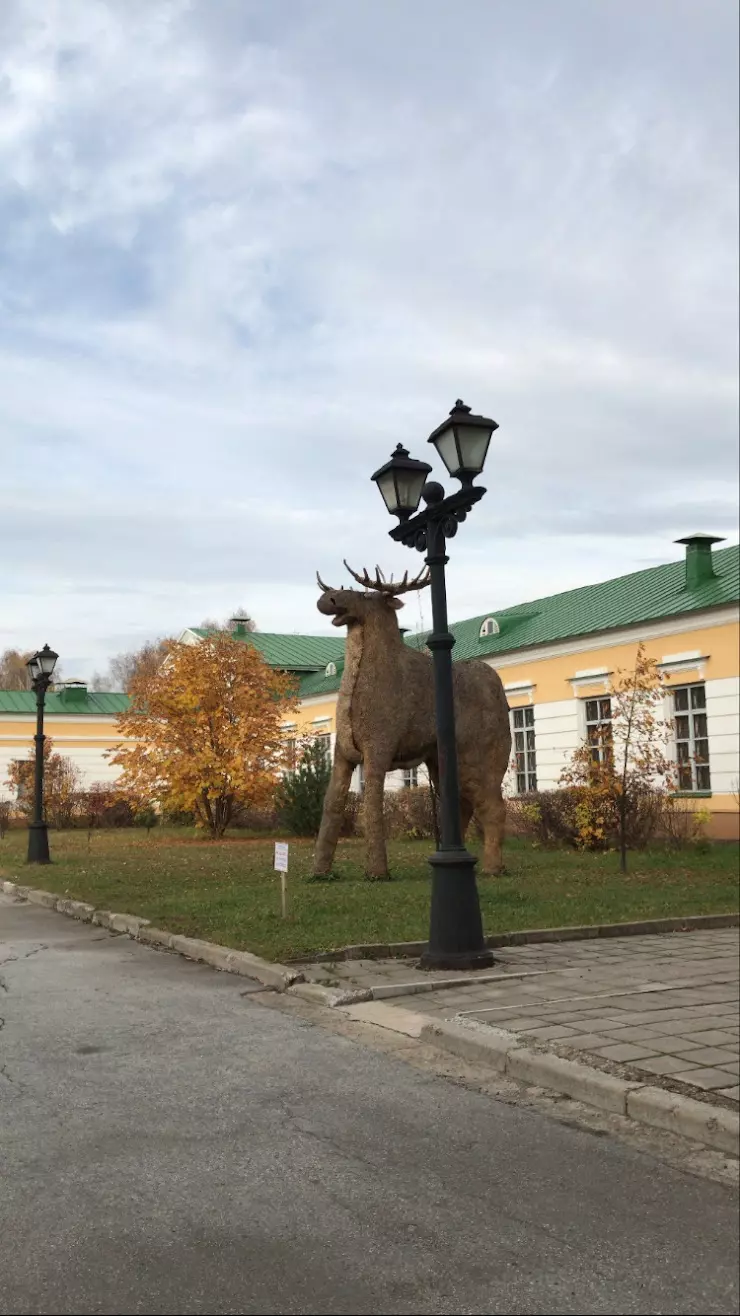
(84, 740)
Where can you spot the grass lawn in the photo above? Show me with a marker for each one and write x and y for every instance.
(226, 891)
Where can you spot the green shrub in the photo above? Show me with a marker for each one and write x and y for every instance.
(299, 799)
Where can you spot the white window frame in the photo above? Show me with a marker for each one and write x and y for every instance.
(529, 772)
(410, 778)
(601, 746)
(698, 770)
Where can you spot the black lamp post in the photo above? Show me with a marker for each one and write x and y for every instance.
(41, 669)
(456, 928)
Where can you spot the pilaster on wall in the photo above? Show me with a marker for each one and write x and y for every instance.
(723, 725)
(558, 732)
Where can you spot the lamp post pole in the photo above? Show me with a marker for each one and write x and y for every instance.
(41, 667)
(456, 938)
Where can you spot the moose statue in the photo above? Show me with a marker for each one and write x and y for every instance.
(386, 720)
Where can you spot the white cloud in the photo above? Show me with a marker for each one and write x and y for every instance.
(247, 248)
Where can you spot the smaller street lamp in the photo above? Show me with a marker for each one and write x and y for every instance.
(41, 669)
(400, 482)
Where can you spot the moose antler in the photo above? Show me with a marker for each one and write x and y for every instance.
(326, 588)
(391, 586)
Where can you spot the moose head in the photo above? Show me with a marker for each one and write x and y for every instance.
(350, 607)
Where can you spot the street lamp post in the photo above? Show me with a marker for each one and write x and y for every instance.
(456, 929)
(41, 669)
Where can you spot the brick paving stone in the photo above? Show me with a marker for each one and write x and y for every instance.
(711, 1037)
(708, 1055)
(673, 1045)
(521, 1023)
(625, 1052)
(587, 1041)
(680, 1026)
(709, 1079)
(631, 1033)
(732, 1093)
(553, 1033)
(663, 1065)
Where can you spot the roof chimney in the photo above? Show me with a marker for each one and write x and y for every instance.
(74, 693)
(699, 565)
(240, 626)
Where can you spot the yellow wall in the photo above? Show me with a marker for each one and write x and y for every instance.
(73, 733)
(552, 675)
(305, 717)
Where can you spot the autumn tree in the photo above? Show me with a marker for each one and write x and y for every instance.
(61, 785)
(623, 769)
(207, 730)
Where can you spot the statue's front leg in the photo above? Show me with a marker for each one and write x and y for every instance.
(375, 849)
(333, 814)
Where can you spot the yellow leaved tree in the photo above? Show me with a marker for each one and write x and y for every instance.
(206, 727)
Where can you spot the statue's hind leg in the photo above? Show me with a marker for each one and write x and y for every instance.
(492, 816)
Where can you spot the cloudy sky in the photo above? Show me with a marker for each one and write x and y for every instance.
(249, 245)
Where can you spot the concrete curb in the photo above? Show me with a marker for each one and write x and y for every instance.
(277, 976)
(579, 932)
(386, 991)
(701, 1122)
(330, 996)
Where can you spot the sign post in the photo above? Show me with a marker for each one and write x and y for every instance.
(281, 867)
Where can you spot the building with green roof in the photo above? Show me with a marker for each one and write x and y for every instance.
(556, 656)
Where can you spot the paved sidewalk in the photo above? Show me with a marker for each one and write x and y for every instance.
(666, 1006)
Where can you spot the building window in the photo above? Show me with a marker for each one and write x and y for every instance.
(599, 728)
(290, 753)
(489, 627)
(324, 738)
(24, 773)
(410, 777)
(692, 743)
(522, 721)
(360, 778)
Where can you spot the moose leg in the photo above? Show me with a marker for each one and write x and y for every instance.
(375, 851)
(493, 819)
(333, 814)
(466, 813)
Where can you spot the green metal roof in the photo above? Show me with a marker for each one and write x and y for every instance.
(641, 596)
(318, 683)
(625, 601)
(74, 703)
(291, 653)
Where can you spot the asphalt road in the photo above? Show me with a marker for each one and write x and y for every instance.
(168, 1145)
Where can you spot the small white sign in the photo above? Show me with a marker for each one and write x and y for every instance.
(281, 856)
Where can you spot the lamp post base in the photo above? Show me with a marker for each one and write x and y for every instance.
(38, 844)
(456, 928)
